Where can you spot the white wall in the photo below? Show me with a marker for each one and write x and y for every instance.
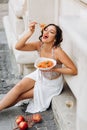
(73, 20)
(41, 11)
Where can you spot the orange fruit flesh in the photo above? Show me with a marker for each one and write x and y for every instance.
(42, 25)
(45, 64)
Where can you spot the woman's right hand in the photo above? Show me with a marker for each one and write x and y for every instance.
(32, 27)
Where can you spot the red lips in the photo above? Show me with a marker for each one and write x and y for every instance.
(45, 36)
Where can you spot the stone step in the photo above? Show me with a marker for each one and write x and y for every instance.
(64, 109)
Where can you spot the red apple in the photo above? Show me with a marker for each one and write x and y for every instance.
(23, 125)
(19, 119)
(36, 118)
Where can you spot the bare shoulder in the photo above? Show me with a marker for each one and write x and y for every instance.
(59, 51)
(39, 43)
(34, 45)
(61, 54)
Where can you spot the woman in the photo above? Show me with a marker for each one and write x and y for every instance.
(41, 86)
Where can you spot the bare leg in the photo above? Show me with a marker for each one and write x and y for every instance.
(18, 92)
(26, 95)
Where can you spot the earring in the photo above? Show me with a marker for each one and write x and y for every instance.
(54, 40)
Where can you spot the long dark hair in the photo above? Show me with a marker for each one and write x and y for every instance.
(58, 36)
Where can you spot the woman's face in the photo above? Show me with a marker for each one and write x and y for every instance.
(49, 34)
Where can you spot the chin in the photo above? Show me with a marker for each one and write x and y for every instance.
(46, 41)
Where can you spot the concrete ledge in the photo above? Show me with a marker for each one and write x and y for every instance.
(64, 109)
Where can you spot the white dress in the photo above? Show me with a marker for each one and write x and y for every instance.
(44, 90)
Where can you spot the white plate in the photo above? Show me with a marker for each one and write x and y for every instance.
(44, 59)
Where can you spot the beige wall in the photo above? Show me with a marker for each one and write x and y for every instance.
(41, 10)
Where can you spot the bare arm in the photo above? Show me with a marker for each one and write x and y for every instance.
(69, 67)
(22, 43)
